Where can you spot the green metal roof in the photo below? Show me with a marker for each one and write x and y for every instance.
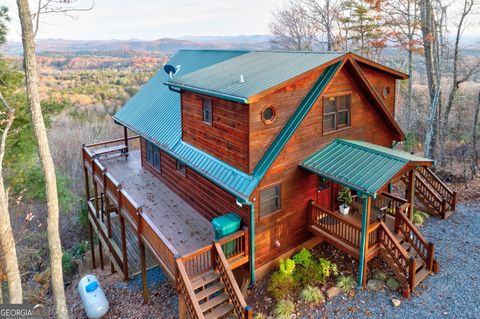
(361, 166)
(261, 70)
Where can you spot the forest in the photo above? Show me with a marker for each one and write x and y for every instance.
(76, 93)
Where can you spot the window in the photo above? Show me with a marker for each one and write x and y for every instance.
(323, 184)
(270, 200)
(386, 91)
(336, 112)
(181, 168)
(207, 111)
(153, 155)
(268, 114)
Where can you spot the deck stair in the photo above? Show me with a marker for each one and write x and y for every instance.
(437, 198)
(210, 291)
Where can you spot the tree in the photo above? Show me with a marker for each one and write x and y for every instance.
(292, 29)
(40, 132)
(9, 82)
(326, 14)
(457, 78)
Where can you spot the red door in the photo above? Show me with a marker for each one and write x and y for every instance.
(324, 193)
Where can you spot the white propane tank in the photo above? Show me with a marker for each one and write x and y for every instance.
(93, 297)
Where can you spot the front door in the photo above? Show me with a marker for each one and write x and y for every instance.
(324, 193)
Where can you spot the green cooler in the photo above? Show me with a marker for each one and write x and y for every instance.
(226, 225)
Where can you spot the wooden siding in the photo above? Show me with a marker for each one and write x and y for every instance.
(205, 197)
(226, 138)
(285, 101)
(379, 81)
(289, 225)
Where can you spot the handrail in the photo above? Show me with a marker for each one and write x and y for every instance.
(185, 290)
(411, 233)
(235, 245)
(240, 306)
(336, 216)
(439, 186)
(111, 141)
(389, 201)
(398, 254)
(431, 196)
(373, 241)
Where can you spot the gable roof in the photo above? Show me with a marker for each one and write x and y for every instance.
(261, 70)
(361, 166)
(155, 113)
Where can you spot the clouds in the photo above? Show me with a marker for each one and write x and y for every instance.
(149, 19)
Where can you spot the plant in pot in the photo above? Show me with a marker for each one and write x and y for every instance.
(344, 197)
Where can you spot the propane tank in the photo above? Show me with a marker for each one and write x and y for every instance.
(93, 298)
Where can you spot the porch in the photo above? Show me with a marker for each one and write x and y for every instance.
(379, 222)
(140, 223)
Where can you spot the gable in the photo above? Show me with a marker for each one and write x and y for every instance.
(384, 84)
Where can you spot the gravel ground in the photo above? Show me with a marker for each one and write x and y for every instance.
(451, 293)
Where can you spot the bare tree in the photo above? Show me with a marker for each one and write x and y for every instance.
(475, 136)
(7, 241)
(326, 14)
(292, 29)
(457, 78)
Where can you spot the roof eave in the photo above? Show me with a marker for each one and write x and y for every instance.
(220, 95)
(384, 68)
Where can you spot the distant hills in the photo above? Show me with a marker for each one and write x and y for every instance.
(164, 45)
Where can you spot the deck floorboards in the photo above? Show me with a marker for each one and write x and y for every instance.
(183, 226)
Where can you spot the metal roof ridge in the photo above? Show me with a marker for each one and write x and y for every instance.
(384, 153)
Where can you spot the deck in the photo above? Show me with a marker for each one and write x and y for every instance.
(183, 227)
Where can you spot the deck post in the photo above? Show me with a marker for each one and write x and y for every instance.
(92, 245)
(123, 234)
(100, 252)
(125, 137)
(109, 221)
(411, 192)
(143, 262)
(364, 241)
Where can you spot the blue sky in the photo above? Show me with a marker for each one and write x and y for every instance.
(149, 19)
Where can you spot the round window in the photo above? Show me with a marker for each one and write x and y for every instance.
(268, 114)
(386, 91)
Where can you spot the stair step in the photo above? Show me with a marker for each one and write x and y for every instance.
(220, 311)
(204, 279)
(215, 301)
(202, 294)
(421, 275)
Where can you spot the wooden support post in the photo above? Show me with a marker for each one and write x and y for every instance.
(143, 262)
(182, 308)
(411, 192)
(100, 252)
(109, 221)
(123, 235)
(125, 136)
(92, 244)
(430, 256)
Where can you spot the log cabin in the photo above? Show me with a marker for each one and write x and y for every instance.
(271, 137)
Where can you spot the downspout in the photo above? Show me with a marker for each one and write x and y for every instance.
(363, 240)
(241, 202)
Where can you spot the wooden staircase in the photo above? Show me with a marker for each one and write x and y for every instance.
(210, 291)
(407, 252)
(437, 198)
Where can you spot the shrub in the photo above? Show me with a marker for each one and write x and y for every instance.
(325, 269)
(281, 285)
(317, 272)
(259, 316)
(419, 217)
(312, 295)
(284, 309)
(68, 264)
(287, 267)
(303, 258)
(344, 196)
(346, 283)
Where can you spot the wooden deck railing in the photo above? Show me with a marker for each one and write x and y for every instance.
(226, 253)
(388, 202)
(424, 249)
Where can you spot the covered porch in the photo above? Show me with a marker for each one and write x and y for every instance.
(377, 217)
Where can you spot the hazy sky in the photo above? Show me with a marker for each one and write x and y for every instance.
(153, 19)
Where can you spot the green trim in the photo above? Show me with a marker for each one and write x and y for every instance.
(207, 92)
(291, 126)
(363, 240)
(252, 237)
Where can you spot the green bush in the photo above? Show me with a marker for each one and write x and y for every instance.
(284, 309)
(317, 272)
(311, 295)
(287, 267)
(303, 258)
(346, 283)
(259, 316)
(281, 285)
(68, 264)
(419, 217)
(344, 196)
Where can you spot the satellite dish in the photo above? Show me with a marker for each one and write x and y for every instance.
(170, 70)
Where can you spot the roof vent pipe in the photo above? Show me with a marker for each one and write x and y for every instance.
(242, 80)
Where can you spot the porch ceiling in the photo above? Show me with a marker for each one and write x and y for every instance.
(361, 166)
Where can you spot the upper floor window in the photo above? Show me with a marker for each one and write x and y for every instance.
(153, 155)
(181, 168)
(270, 200)
(268, 115)
(207, 111)
(336, 112)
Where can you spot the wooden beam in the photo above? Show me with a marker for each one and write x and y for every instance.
(143, 262)
(123, 235)
(100, 252)
(125, 137)
(92, 245)
(411, 192)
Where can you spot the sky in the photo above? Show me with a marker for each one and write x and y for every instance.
(152, 19)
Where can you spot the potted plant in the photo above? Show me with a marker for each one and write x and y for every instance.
(344, 197)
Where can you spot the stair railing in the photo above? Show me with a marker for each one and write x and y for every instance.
(185, 291)
(241, 309)
(438, 204)
(404, 226)
(439, 186)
